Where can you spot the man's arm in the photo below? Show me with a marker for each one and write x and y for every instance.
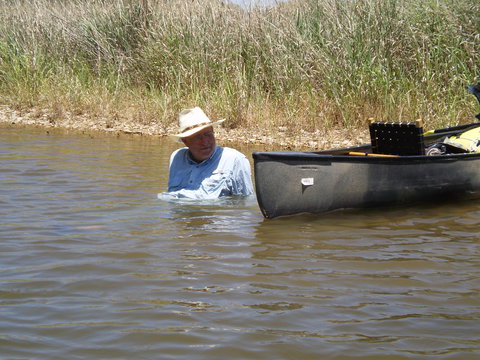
(242, 181)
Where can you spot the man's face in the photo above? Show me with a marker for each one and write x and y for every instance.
(201, 144)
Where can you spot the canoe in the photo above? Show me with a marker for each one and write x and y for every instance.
(401, 165)
(294, 182)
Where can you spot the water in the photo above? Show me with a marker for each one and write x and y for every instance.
(94, 266)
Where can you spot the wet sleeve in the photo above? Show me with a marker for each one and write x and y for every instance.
(242, 182)
(176, 165)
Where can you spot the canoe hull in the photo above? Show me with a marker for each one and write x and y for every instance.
(289, 183)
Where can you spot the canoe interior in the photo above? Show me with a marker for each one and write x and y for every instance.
(367, 148)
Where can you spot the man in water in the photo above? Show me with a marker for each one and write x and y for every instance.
(203, 170)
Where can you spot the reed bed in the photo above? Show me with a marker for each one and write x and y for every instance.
(307, 65)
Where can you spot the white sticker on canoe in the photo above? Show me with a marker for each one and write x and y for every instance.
(307, 181)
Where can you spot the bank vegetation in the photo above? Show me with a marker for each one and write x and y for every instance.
(306, 67)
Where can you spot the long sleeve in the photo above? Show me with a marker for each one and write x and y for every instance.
(242, 179)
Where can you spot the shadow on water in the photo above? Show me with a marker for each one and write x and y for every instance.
(370, 228)
(388, 214)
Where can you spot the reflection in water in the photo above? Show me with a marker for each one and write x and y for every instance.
(93, 265)
(226, 214)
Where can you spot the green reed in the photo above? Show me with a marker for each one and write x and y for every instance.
(305, 64)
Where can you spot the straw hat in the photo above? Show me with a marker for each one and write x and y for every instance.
(191, 121)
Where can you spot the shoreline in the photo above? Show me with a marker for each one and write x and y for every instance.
(281, 138)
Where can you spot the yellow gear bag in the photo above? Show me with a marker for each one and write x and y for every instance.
(468, 141)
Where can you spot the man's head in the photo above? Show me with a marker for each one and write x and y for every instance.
(201, 144)
(196, 132)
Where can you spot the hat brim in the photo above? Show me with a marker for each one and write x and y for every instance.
(195, 130)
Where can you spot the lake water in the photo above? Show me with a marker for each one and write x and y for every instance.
(94, 266)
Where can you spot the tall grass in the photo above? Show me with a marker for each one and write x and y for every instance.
(304, 64)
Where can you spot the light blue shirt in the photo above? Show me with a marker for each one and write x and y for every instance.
(226, 172)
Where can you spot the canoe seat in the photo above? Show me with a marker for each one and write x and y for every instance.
(397, 138)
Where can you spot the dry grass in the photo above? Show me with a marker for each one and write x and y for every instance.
(303, 67)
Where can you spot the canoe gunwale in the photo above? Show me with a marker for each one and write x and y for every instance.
(324, 156)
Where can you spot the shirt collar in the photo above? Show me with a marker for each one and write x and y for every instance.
(193, 162)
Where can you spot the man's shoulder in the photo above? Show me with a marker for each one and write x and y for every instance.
(179, 151)
(178, 154)
(233, 153)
